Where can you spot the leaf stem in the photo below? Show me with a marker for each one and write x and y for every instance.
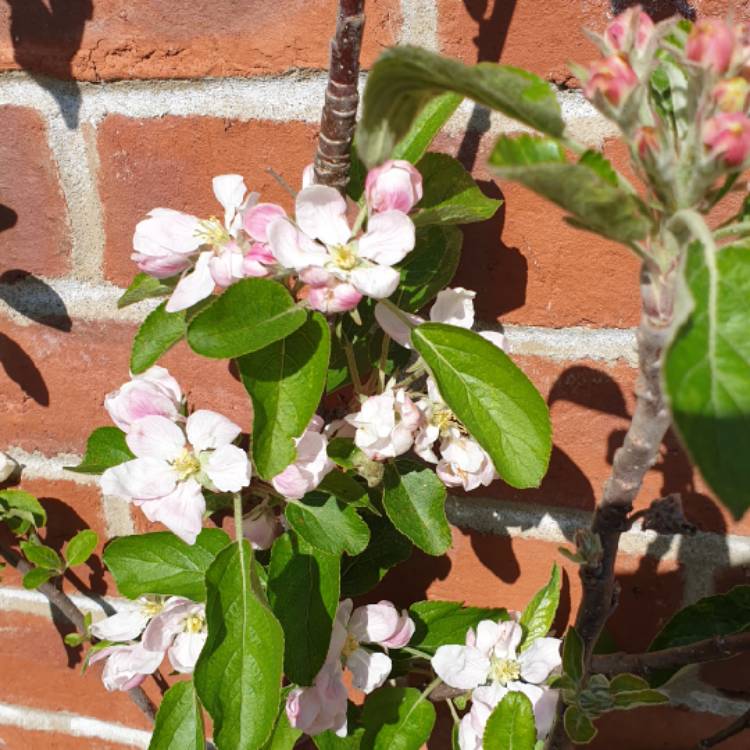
(237, 502)
(731, 230)
(453, 711)
(351, 362)
(416, 652)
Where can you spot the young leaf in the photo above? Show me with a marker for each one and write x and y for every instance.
(106, 447)
(498, 404)
(143, 287)
(285, 381)
(238, 674)
(346, 489)
(622, 683)
(161, 563)
(41, 555)
(80, 547)
(73, 640)
(404, 79)
(624, 701)
(578, 726)
(330, 741)
(396, 719)
(157, 335)
(511, 724)
(707, 371)
(572, 655)
(37, 576)
(540, 612)
(585, 189)
(341, 451)
(248, 316)
(303, 591)
(451, 196)
(414, 500)
(324, 523)
(20, 510)
(179, 722)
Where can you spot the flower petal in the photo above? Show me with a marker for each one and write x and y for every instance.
(184, 652)
(163, 627)
(228, 468)
(230, 191)
(257, 220)
(539, 659)
(206, 429)
(140, 479)
(321, 214)
(394, 326)
(369, 669)
(388, 239)
(463, 667)
(125, 625)
(374, 623)
(509, 634)
(454, 307)
(291, 248)
(194, 286)
(375, 281)
(166, 232)
(181, 511)
(155, 436)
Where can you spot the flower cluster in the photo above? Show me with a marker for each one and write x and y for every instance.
(175, 627)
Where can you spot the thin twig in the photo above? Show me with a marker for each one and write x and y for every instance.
(737, 726)
(63, 603)
(333, 156)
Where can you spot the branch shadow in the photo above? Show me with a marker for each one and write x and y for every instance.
(34, 299)
(20, 368)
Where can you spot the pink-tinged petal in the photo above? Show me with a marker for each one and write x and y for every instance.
(194, 286)
(291, 248)
(184, 652)
(388, 239)
(395, 326)
(374, 622)
(261, 252)
(611, 78)
(303, 706)
(468, 737)
(127, 665)
(321, 707)
(711, 43)
(309, 468)
(160, 377)
(403, 633)
(227, 266)
(496, 338)
(166, 232)
(369, 669)
(155, 437)
(253, 269)
(454, 307)
(509, 634)
(230, 191)
(261, 530)
(321, 214)
(334, 297)
(462, 667)
(163, 627)
(375, 281)
(140, 479)
(140, 398)
(161, 267)
(125, 625)
(394, 185)
(206, 429)
(228, 468)
(257, 220)
(728, 135)
(540, 659)
(181, 511)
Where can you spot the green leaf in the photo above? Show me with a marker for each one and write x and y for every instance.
(707, 371)
(511, 724)
(572, 655)
(578, 726)
(41, 555)
(157, 335)
(161, 563)
(428, 268)
(303, 591)
(81, 547)
(106, 447)
(414, 500)
(325, 523)
(248, 316)
(341, 451)
(143, 287)
(440, 623)
(238, 674)
(73, 640)
(585, 189)
(21, 510)
(329, 741)
(404, 79)
(540, 612)
(346, 489)
(624, 701)
(285, 381)
(37, 576)
(498, 404)
(364, 571)
(427, 124)
(451, 196)
(396, 719)
(622, 683)
(712, 616)
(284, 736)
(179, 722)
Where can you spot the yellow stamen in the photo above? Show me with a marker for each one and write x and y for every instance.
(351, 645)
(344, 256)
(213, 232)
(194, 624)
(504, 670)
(186, 464)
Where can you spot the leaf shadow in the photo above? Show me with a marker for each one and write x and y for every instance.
(34, 299)
(20, 368)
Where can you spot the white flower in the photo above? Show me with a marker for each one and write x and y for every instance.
(322, 239)
(180, 631)
(463, 462)
(129, 621)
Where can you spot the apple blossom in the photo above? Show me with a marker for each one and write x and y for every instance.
(311, 465)
(630, 29)
(322, 240)
(323, 705)
(154, 392)
(732, 95)
(7, 466)
(180, 631)
(327, 294)
(165, 479)
(727, 135)
(261, 526)
(394, 185)
(127, 666)
(463, 462)
(711, 43)
(385, 424)
(256, 221)
(613, 78)
(130, 620)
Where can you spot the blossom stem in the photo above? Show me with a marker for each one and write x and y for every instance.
(416, 652)
(453, 711)
(351, 362)
(360, 220)
(426, 692)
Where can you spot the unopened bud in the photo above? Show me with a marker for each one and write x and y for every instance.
(613, 78)
(732, 95)
(728, 136)
(711, 44)
(632, 28)
(646, 143)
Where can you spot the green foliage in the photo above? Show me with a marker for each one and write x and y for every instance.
(285, 381)
(81, 547)
(106, 447)
(511, 724)
(414, 500)
(440, 623)
(161, 563)
(303, 591)
(41, 555)
(578, 725)
(495, 400)
(246, 317)
(540, 612)
(157, 335)
(572, 655)
(37, 576)
(707, 371)
(21, 510)
(179, 722)
(238, 674)
(405, 79)
(396, 719)
(284, 736)
(143, 287)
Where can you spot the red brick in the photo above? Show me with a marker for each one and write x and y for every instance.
(170, 162)
(32, 212)
(95, 40)
(14, 738)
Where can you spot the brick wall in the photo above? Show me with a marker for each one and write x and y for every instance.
(109, 108)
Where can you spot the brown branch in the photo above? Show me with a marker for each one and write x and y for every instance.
(66, 606)
(333, 156)
(737, 726)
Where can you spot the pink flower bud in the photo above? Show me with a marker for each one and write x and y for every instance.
(732, 95)
(646, 143)
(394, 185)
(711, 44)
(728, 135)
(336, 297)
(631, 28)
(613, 78)
(154, 392)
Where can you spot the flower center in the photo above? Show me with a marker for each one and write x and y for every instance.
(351, 645)
(186, 464)
(152, 607)
(344, 256)
(213, 232)
(504, 670)
(194, 623)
